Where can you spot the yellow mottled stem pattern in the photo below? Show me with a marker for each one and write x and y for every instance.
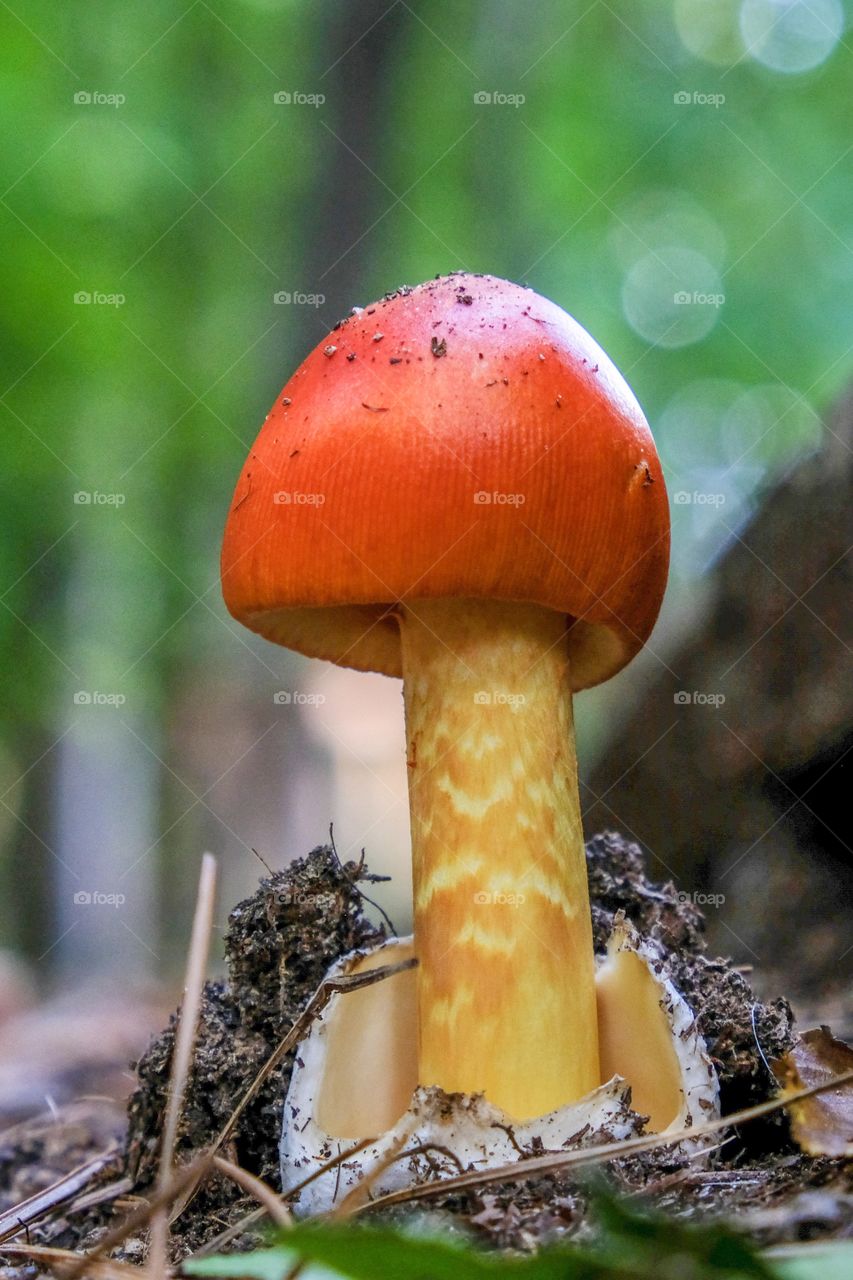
(502, 925)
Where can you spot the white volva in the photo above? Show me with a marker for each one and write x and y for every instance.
(355, 1077)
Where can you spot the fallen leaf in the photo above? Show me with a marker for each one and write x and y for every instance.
(821, 1125)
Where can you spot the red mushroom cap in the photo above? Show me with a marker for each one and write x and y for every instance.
(466, 438)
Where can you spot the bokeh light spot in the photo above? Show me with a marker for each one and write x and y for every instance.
(770, 423)
(791, 35)
(672, 297)
(666, 218)
(709, 29)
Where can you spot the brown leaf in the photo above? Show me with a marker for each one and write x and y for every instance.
(821, 1125)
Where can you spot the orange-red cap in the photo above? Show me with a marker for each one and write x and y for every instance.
(465, 438)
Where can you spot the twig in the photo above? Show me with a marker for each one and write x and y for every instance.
(339, 1159)
(226, 1236)
(183, 1051)
(139, 1217)
(64, 1261)
(423, 1148)
(265, 1196)
(680, 1176)
(102, 1195)
(357, 1195)
(263, 862)
(22, 1215)
(767, 1065)
(554, 1161)
(315, 1006)
(353, 881)
(229, 1234)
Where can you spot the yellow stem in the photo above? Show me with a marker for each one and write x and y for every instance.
(506, 998)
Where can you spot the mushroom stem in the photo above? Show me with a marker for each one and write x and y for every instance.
(506, 998)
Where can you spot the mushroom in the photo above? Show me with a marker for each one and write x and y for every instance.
(475, 504)
(356, 1075)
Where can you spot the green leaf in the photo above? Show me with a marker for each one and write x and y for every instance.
(631, 1245)
(261, 1264)
(816, 1262)
(649, 1238)
(364, 1253)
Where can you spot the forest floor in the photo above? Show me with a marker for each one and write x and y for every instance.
(82, 1178)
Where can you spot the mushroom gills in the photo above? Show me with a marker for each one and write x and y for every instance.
(356, 1078)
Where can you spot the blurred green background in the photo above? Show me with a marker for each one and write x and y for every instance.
(193, 195)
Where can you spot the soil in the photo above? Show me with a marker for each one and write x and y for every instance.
(280, 943)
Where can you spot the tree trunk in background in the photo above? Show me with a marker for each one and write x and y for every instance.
(281, 797)
(27, 910)
(734, 772)
(358, 58)
(107, 781)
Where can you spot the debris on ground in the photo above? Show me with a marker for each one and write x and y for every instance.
(279, 946)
